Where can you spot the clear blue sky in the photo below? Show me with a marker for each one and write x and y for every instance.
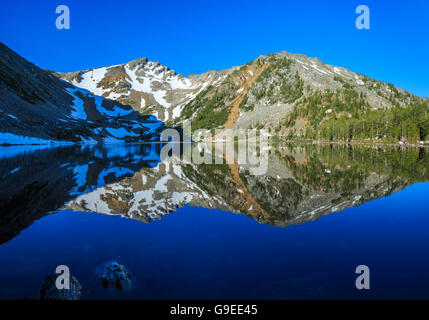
(196, 36)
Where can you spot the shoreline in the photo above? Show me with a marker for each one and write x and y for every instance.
(361, 143)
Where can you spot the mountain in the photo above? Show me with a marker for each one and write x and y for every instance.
(147, 86)
(290, 95)
(295, 96)
(36, 107)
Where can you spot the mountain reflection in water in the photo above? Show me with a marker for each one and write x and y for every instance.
(302, 183)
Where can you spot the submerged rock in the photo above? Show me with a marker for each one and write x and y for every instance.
(116, 275)
(49, 290)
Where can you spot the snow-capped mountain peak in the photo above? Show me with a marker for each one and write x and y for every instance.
(148, 86)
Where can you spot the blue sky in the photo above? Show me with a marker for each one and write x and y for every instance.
(196, 36)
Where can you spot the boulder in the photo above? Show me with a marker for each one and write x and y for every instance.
(49, 290)
(117, 276)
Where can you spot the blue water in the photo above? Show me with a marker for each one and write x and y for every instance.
(197, 253)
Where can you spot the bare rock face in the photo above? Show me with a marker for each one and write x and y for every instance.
(115, 275)
(49, 290)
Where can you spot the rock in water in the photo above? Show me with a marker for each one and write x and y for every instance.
(116, 275)
(49, 290)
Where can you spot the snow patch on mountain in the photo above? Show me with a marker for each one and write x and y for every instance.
(78, 107)
(116, 112)
(91, 79)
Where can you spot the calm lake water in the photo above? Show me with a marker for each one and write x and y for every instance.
(187, 231)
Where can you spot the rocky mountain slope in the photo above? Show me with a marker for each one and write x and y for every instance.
(147, 86)
(37, 107)
(300, 97)
(287, 94)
